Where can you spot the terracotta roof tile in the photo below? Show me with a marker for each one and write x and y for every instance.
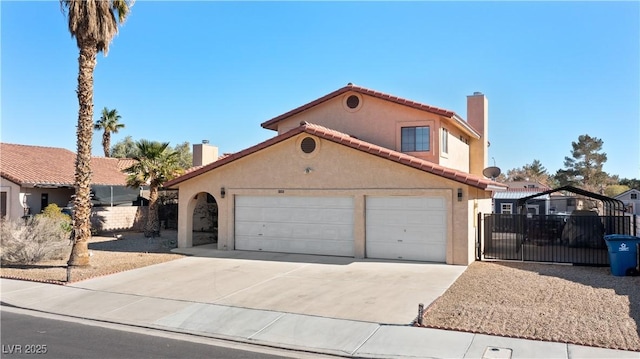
(349, 141)
(36, 165)
(526, 189)
(124, 163)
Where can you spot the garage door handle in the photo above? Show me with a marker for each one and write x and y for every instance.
(399, 240)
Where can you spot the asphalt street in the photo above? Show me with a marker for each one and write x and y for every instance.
(27, 336)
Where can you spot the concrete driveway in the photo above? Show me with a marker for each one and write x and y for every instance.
(386, 292)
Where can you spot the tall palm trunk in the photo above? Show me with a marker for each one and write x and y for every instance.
(152, 227)
(106, 143)
(82, 201)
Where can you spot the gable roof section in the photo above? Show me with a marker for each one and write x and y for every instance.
(352, 142)
(36, 166)
(629, 191)
(273, 123)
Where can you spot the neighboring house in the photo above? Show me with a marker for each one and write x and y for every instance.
(506, 202)
(527, 184)
(355, 173)
(631, 200)
(32, 177)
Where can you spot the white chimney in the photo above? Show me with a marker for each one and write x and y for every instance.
(478, 118)
(204, 153)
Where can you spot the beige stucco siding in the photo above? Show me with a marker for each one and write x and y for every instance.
(379, 122)
(14, 199)
(457, 156)
(331, 170)
(374, 122)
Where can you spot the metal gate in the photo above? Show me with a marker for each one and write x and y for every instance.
(577, 239)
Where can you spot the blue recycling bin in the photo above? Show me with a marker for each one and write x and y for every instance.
(623, 252)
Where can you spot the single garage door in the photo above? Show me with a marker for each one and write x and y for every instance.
(309, 225)
(406, 227)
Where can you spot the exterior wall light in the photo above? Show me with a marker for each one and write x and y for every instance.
(459, 194)
(223, 192)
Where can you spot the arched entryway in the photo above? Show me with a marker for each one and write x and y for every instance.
(205, 220)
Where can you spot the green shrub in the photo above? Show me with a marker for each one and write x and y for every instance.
(41, 238)
(54, 212)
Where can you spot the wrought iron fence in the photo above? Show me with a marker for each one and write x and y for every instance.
(577, 238)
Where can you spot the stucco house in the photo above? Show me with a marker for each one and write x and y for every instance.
(32, 177)
(355, 173)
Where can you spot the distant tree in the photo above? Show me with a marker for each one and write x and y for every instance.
(534, 172)
(565, 178)
(584, 168)
(502, 178)
(614, 190)
(185, 157)
(156, 164)
(126, 148)
(631, 183)
(93, 23)
(108, 123)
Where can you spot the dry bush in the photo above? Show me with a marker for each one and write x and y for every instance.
(41, 238)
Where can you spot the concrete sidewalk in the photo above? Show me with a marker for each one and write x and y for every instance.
(317, 334)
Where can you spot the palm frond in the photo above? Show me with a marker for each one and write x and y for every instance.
(95, 21)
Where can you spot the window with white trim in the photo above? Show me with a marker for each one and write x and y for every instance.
(505, 208)
(444, 142)
(634, 196)
(415, 139)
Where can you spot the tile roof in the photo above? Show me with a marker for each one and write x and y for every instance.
(50, 166)
(346, 140)
(526, 189)
(272, 123)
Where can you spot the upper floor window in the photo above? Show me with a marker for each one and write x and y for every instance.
(444, 142)
(634, 196)
(415, 139)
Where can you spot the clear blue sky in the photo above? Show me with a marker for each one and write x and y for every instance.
(190, 71)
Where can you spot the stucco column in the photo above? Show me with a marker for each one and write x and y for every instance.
(185, 221)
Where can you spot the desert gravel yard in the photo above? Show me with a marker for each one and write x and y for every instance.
(109, 254)
(551, 302)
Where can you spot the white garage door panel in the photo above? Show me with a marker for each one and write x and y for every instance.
(411, 252)
(312, 225)
(292, 230)
(406, 227)
(318, 247)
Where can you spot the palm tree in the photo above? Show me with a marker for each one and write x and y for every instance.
(109, 123)
(93, 23)
(156, 164)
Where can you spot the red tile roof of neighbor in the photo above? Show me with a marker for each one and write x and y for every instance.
(49, 166)
(272, 124)
(527, 189)
(346, 140)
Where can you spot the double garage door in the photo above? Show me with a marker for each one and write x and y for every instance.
(397, 227)
(309, 225)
